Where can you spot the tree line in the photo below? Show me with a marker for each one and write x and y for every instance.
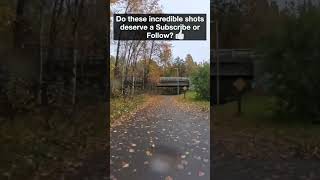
(156, 68)
(143, 61)
(45, 45)
(285, 35)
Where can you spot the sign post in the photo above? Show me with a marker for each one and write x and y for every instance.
(178, 79)
(239, 84)
(217, 62)
(184, 91)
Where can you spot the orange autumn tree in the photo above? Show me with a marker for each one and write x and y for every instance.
(154, 72)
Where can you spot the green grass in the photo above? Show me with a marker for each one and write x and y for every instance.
(192, 98)
(253, 108)
(121, 106)
(258, 114)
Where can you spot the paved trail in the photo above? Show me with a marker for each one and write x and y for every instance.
(162, 142)
(166, 142)
(229, 165)
(240, 154)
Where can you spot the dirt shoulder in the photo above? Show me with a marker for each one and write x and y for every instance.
(129, 107)
(190, 103)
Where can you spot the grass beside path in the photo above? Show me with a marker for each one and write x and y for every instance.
(192, 101)
(258, 111)
(121, 107)
(258, 121)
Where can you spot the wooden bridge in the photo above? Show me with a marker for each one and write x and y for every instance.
(173, 82)
(231, 65)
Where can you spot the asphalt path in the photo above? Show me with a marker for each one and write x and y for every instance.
(161, 142)
(164, 141)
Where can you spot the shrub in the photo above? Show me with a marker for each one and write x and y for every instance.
(200, 80)
(292, 63)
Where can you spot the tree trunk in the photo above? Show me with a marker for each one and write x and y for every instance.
(51, 46)
(19, 24)
(147, 64)
(127, 67)
(75, 51)
(40, 94)
(74, 69)
(116, 66)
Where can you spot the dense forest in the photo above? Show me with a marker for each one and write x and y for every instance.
(53, 63)
(285, 36)
(53, 71)
(46, 46)
(243, 23)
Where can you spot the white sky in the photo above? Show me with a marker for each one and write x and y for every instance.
(200, 50)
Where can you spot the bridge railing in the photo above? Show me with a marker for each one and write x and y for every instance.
(234, 52)
(173, 82)
(165, 79)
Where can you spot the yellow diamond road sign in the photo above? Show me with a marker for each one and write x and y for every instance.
(240, 84)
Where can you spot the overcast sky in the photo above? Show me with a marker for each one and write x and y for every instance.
(200, 50)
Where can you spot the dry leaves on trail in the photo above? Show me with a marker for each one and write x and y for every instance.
(200, 173)
(149, 102)
(125, 164)
(190, 106)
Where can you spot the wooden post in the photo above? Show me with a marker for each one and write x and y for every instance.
(143, 79)
(184, 91)
(178, 81)
(240, 85)
(217, 63)
(133, 79)
(240, 104)
(41, 56)
(75, 63)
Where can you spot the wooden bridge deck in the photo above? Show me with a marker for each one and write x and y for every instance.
(173, 82)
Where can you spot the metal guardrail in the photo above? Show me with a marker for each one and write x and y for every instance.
(173, 82)
(234, 52)
(174, 79)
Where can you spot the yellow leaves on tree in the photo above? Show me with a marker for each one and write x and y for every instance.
(154, 72)
(191, 66)
(165, 54)
(112, 1)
